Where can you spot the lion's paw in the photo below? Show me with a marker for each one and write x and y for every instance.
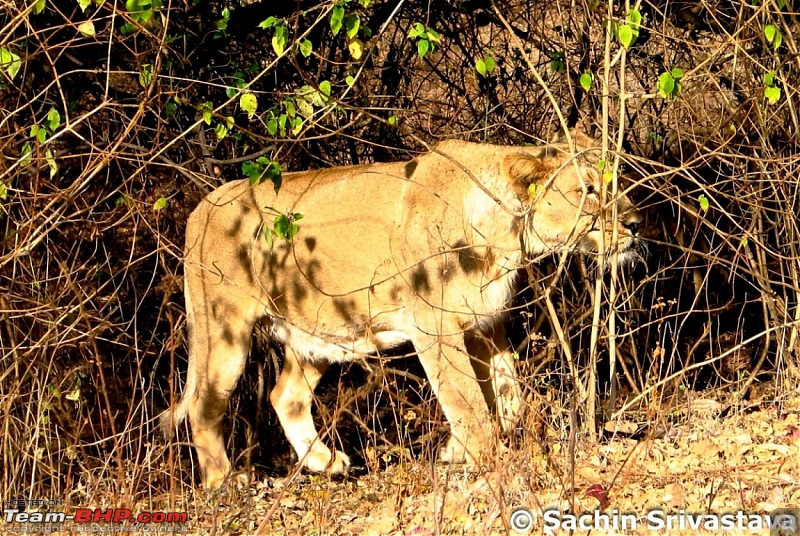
(320, 460)
(454, 452)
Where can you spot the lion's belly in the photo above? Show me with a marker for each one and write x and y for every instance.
(333, 347)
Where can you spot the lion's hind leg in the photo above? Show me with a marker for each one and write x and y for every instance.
(220, 322)
(291, 398)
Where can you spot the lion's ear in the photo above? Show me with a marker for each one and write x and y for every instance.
(523, 169)
(581, 139)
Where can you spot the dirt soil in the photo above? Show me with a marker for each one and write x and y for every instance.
(706, 463)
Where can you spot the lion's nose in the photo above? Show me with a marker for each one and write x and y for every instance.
(631, 220)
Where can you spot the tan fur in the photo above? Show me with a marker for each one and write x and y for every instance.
(426, 251)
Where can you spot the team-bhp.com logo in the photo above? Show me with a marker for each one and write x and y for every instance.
(176, 520)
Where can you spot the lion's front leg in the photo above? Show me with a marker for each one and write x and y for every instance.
(507, 391)
(495, 361)
(291, 398)
(453, 380)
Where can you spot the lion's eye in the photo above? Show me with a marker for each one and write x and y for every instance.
(590, 189)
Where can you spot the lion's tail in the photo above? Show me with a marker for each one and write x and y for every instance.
(170, 419)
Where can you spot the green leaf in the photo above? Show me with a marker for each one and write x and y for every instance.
(283, 122)
(281, 225)
(364, 3)
(625, 35)
(51, 162)
(297, 126)
(313, 96)
(422, 47)
(25, 155)
(146, 75)
(392, 120)
(222, 24)
(769, 78)
(417, 31)
(586, 80)
(267, 232)
(160, 204)
(349, 80)
(41, 134)
(83, 4)
(325, 88)
(634, 18)
(773, 94)
(704, 204)
(291, 109)
(773, 35)
(557, 63)
(221, 131)
(480, 66)
(127, 28)
(285, 226)
(141, 10)
(744, 241)
(263, 169)
(272, 126)
(769, 32)
(273, 173)
(9, 62)
(170, 109)
(677, 73)
(269, 22)
(485, 65)
(279, 39)
(306, 48)
(352, 23)
(249, 104)
(666, 85)
(356, 48)
(337, 17)
(3, 191)
(433, 36)
(251, 171)
(53, 119)
(39, 6)
(533, 189)
(87, 28)
(305, 108)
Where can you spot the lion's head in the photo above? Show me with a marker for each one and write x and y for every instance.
(561, 193)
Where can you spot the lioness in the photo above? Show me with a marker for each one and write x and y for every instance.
(426, 251)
